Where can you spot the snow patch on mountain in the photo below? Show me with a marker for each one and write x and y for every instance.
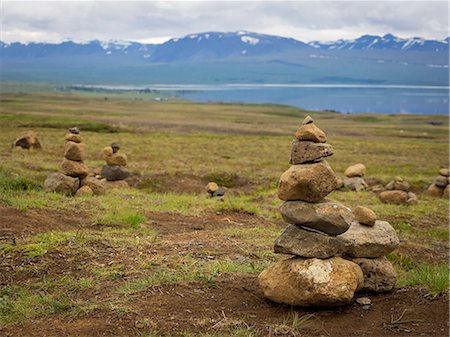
(250, 40)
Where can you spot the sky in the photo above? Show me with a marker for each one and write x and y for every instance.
(158, 21)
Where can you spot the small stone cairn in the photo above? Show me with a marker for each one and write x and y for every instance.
(114, 171)
(28, 140)
(336, 252)
(73, 169)
(214, 190)
(354, 180)
(398, 192)
(440, 186)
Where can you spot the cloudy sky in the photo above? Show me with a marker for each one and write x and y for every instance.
(158, 21)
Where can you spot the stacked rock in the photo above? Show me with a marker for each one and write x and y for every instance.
(440, 186)
(397, 192)
(73, 168)
(28, 140)
(323, 235)
(114, 170)
(214, 190)
(354, 180)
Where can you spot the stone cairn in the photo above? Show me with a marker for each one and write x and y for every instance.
(440, 186)
(354, 180)
(73, 178)
(398, 192)
(214, 190)
(114, 171)
(336, 252)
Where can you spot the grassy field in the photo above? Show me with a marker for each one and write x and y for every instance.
(141, 257)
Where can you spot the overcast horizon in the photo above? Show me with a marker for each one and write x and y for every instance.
(157, 21)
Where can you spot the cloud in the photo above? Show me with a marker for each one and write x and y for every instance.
(156, 21)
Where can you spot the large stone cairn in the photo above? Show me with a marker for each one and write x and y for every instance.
(114, 171)
(73, 169)
(336, 252)
(440, 186)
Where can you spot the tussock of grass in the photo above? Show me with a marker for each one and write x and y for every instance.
(433, 277)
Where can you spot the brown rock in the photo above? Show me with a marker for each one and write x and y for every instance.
(307, 182)
(28, 140)
(310, 132)
(115, 185)
(394, 197)
(58, 182)
(74, 168)
(445, 194)
(340, 183)
(83, 191)
(365, 241)
(311, 282)
(401, 185)
(357, 184)
(74, 151)
(72, 137)
(96, 185)
(412, 199)
(357, 170)
(435, 191)
(306, 243)
(364, 215)
(211, 187)
(307, 120)
(327, 216)
(304, 152)
(441, 181)
(444, 172)
(379, 274)
(117, 159)
(106, 152)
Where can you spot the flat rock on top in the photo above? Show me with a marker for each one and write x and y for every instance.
(356, 170)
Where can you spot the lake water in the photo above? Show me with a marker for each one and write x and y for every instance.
(342, 98)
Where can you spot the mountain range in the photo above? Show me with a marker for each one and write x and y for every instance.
(233, 57)
(213, 46)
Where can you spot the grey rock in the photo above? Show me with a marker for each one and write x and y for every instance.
(371, 242)
(308, 120)
(327, 216)
(220, 192)
(306, 152)
(379, 274)
(58, 182)
(441, 181)
(305, 243)
(357, 184)
(113, 173)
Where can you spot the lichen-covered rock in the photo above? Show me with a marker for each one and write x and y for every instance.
(306, 243)
(379, 274)
(441, 181)
(58, 182)
(311, 282)
(75, 151)
(307, 182)
(364, 215)
(356, 170)
(326, 216)
(74, 168)
(365, 241)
